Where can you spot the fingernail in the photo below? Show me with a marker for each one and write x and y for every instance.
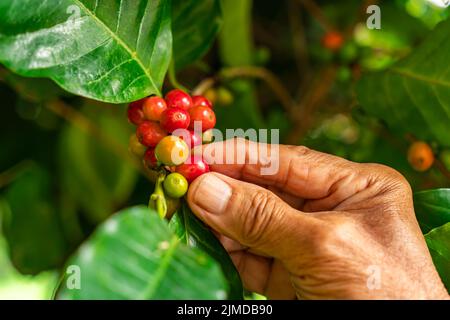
(212, 194)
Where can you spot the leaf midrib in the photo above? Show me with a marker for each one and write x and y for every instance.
(122, 43)
(150, 289)
(419, 77)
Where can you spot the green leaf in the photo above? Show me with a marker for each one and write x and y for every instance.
(195, 234)
(89, 168)
(414, 95)
(236, 49)
(432, 208)
(134, 255)
(438, 241)
(236, 42)
(30, 223)
(115, 51)
(195, 25)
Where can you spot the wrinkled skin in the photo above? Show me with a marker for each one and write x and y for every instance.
(321, 228)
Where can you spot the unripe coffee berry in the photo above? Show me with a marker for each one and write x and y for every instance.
(175, 185)
(420, 156)
(178, 99)
(195, 168)
(135, 147)
(172, 151)
(149, 159)
(204, 115)
(175, 118)
(208, 136)
(201, 101)
(153, 107)
(150, 133)
(135, 112)
(211, 95)
(224, 96)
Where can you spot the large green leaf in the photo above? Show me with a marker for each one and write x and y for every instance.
(414, 95)
(134, 255)
(95, 177)
(438, 241)
(115, 51)
(195, 25)
(30, 223)
(195, 234)
(432, 208)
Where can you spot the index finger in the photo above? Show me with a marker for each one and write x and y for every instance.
(297, 170)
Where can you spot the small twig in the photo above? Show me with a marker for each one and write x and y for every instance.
(272, 81)
(299, 43)
(173, 78)
(8, 176)
(203, 86)
(315, 11)
(442, 168)
(268, 77)
(304, 115)
(77, 119)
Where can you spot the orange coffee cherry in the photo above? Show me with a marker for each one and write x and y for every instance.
(420, 156)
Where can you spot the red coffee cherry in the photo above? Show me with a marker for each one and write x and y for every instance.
(333, 40)
(135, 112)
(178, 99)
(201, 101)
(150, 133)
(205, 115)
(150, 160)
(153, 107)
(175, 118)
(194, 169)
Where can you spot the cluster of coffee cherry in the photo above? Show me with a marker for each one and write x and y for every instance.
(167, 130)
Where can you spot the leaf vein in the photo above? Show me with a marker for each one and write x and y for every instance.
(419, 77)
(120, 41)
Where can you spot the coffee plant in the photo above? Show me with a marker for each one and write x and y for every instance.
(104, 102)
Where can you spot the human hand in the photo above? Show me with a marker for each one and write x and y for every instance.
(321, 228)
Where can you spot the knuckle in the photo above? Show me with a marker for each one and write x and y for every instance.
(258, 217)
(392, 178)
(300, 150)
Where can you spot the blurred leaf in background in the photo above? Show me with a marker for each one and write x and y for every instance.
(30, 223)
(94, 176)
(16, 286)
(195, 25)
(414, 95)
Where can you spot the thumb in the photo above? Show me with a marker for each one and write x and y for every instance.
(247, 213)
